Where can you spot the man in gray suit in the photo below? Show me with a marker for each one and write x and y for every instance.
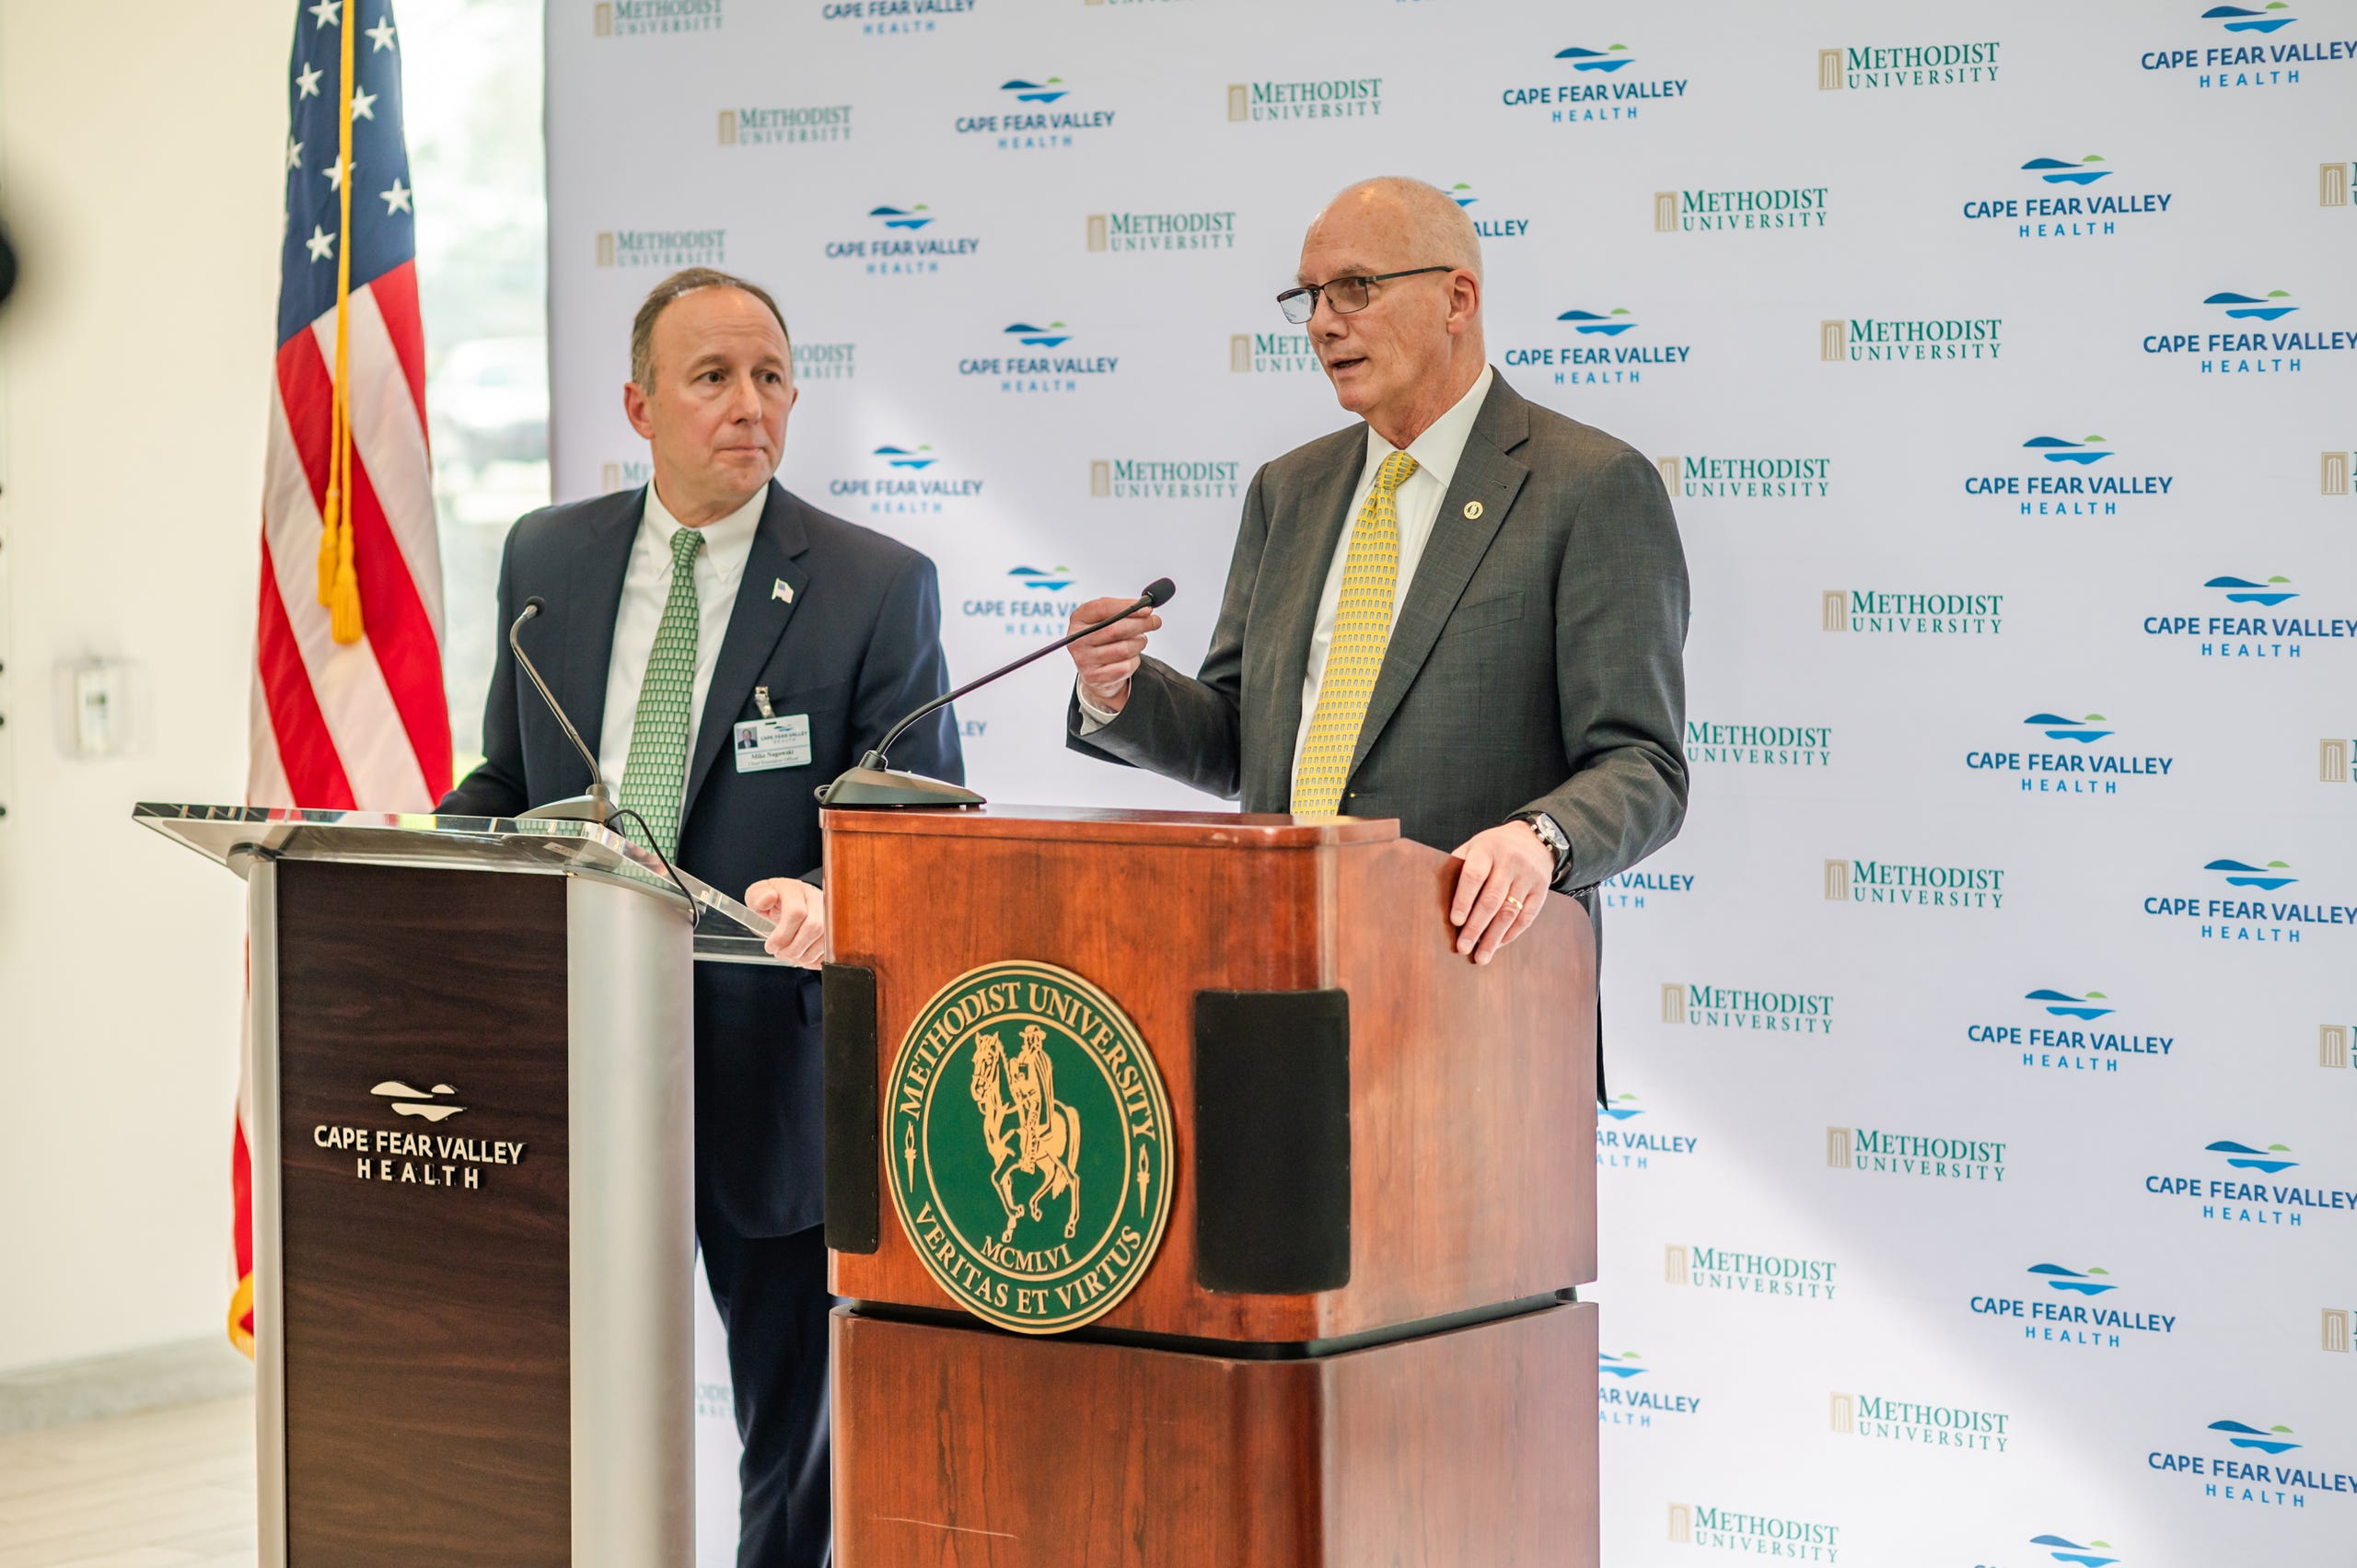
(1468, 612)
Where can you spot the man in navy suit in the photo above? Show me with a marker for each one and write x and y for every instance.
(724, 646)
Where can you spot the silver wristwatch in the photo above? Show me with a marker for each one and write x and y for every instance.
(1557, 842)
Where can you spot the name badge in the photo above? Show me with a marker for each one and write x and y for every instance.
(764, 744)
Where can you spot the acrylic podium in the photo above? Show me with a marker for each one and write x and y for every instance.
(1194, 1203)
(472, 1147)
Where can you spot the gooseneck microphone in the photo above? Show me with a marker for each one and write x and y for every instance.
(596, 806)
(874, 784)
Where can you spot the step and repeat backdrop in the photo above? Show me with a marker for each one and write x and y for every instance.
(1981, 1183)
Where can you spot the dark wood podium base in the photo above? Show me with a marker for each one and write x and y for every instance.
(964, 1447)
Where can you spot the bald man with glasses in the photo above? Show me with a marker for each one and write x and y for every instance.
(1466, 611)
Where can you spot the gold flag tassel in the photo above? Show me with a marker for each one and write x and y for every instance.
(338, 579)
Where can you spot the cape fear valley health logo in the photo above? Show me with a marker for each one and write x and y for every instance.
(2252, 618)
(1629, 1395)
(2084, 766)
(1909, 885)
(1030, 602)
(2248, 902)
(1591, 85)
(1699, 1267)
(2060, 477)
(1606, 347)
(2056, 1307)
(902, 242)
(2233, 1460)
(2235, 1182)
(1700, 1005)
(1871, 340)
(1488, 223)
(893, 18)
(1873, 67)
(2067, 201)
(2251, 334)
(1625, 1141)
(1716, 1527)
(905, 482)
(1752, 209)
(1034, 359)
(1329, 98)
(2251, 47)
(1899, 612)
(421, 1157)
(640, 19)
(1643, 888)
(1878, 1418)
(1747, 479)
(2062, 1549)
(1876, 1151)
(755, 127)
(2062, 1033)
(1033, 116)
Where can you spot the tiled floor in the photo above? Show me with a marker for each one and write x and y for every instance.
(162, 1489)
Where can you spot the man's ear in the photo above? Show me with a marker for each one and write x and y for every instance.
(635, 410)
(1464, 301)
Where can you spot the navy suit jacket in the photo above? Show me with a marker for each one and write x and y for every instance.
(856, 646)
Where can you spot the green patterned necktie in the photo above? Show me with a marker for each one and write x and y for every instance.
(655, 777)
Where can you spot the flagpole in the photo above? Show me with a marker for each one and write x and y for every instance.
(338, 579)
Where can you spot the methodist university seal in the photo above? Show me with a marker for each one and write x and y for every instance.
(1029, 1138)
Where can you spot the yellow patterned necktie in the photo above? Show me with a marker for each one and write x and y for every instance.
(1362, 631)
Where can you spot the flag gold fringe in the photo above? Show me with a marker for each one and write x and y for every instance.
(339, 578)
(241, 1305)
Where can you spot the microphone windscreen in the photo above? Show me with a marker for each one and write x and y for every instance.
(1157, 592)
(535, 604)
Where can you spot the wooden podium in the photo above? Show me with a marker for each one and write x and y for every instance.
(1353, 1343)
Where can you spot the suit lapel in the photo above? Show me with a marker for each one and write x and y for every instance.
(755, 625)
(593, 598)
(1484, 473)
(1298, 559)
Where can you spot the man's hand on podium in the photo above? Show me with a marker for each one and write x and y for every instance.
(800, 911)
(1108, 659)
(1499, 893)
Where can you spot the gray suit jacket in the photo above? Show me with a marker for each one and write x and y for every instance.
(1537, 663)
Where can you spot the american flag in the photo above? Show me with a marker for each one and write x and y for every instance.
(348, 709)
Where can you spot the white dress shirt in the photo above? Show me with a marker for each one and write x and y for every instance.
(1417, 509)
(647, 584)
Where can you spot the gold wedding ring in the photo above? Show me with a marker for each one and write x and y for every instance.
(1515, 904)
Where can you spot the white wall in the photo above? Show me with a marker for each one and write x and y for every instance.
(141, 144)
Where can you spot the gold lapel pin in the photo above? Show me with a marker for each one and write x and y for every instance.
(1472, 511)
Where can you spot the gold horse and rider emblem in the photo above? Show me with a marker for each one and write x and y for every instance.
(1047, 1133)
(1033, 1182)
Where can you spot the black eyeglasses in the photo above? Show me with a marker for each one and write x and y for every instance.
(1343, 294)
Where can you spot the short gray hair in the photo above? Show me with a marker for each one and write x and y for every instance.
(642, 326)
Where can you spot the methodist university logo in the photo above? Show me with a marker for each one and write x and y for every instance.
(1029, 1139)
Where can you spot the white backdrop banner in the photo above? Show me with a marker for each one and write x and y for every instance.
(1980, 1187)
